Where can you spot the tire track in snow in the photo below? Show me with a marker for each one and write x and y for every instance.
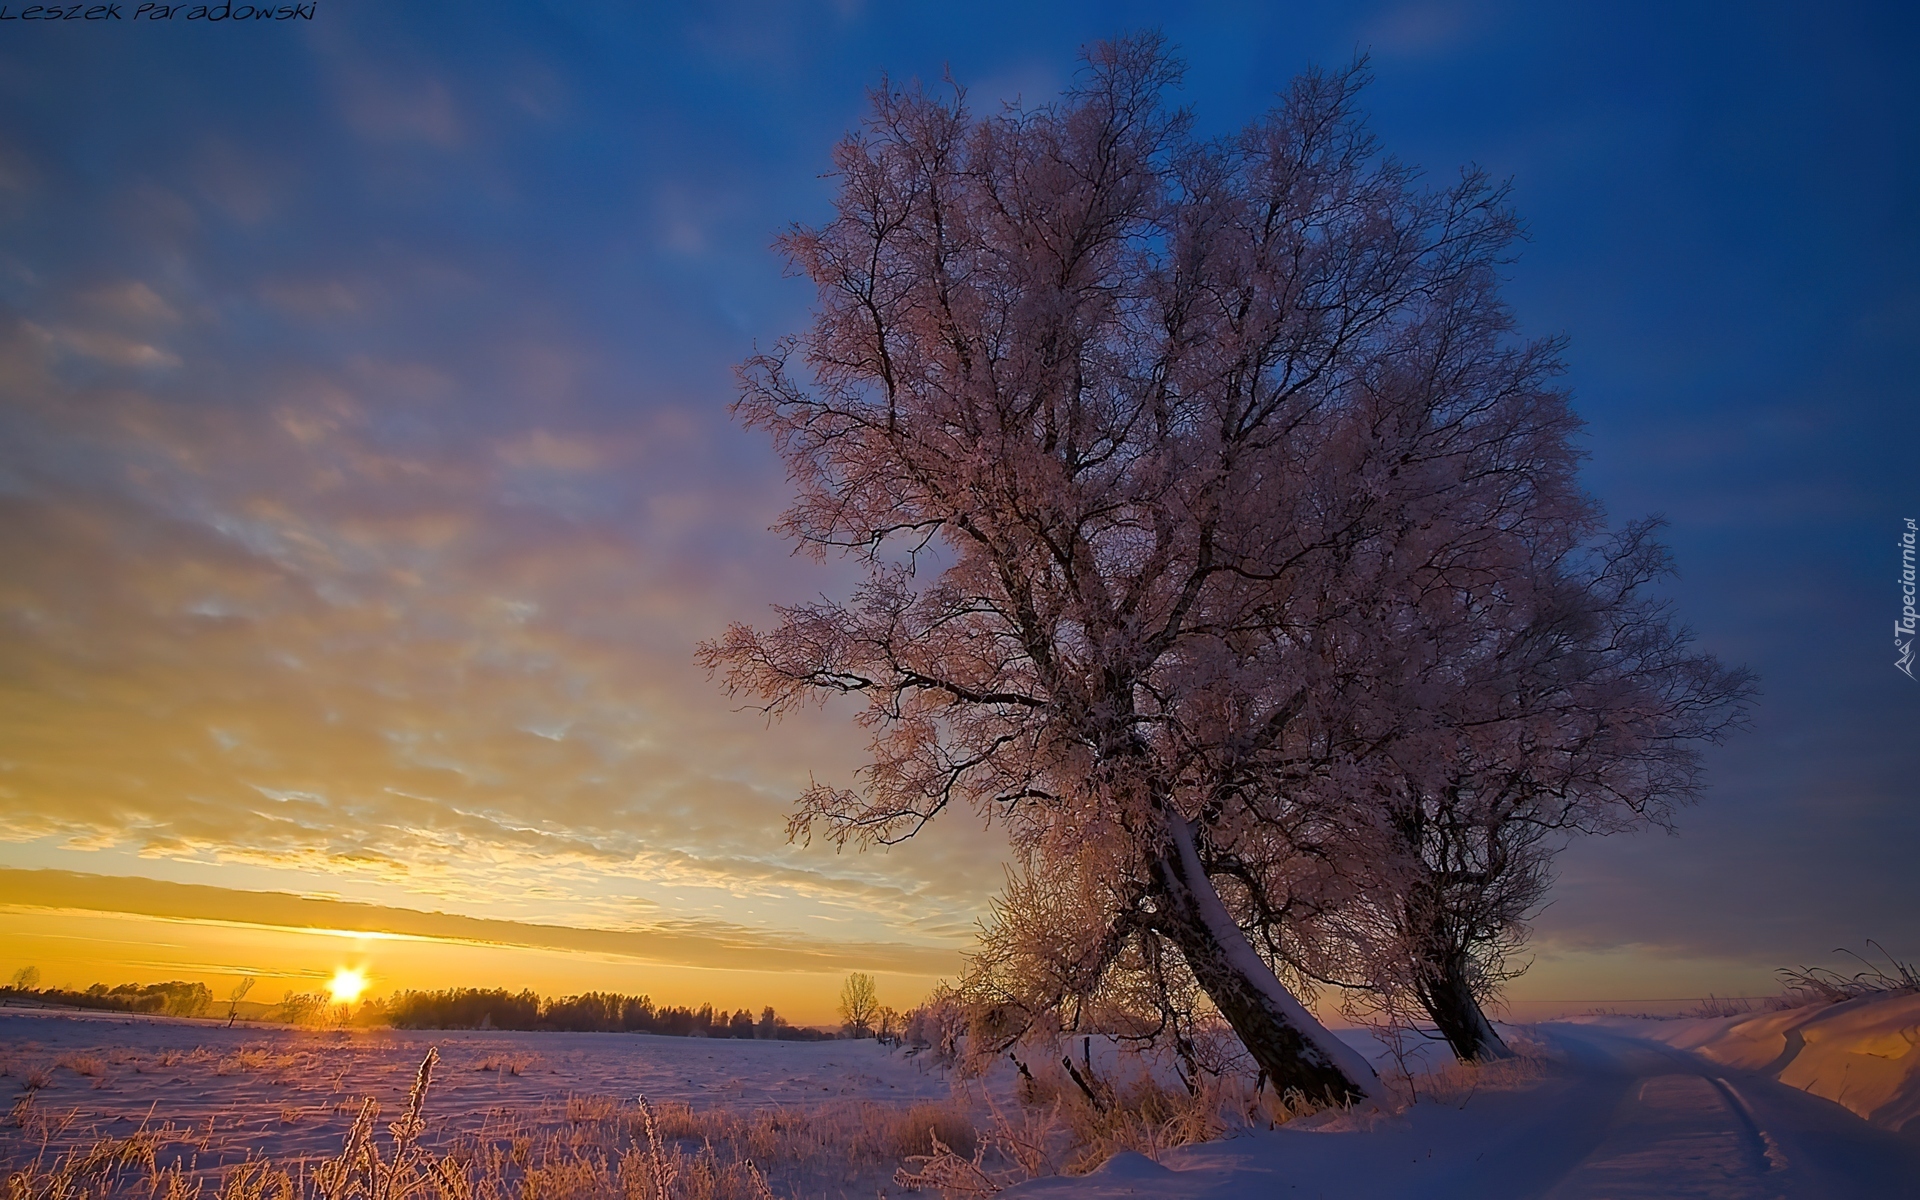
(1772, 1157)
(1767, 1155)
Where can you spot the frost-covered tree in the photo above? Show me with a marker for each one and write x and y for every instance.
(1564, 701)
(1162, 455)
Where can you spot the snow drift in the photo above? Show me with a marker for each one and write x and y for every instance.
(1859, 1053)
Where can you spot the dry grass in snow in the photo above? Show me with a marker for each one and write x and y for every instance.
(306, 1116)
(288, 1115)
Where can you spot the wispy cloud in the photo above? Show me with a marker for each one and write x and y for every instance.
(712, 944)
(102, 345)
(358, 627)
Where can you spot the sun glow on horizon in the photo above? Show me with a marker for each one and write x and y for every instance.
(346, 985)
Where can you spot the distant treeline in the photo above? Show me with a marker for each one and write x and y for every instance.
(454, 1008)
(174, 998)
(591, 1012)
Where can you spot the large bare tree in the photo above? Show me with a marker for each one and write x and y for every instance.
(1163, 455)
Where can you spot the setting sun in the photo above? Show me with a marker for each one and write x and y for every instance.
(347, 985)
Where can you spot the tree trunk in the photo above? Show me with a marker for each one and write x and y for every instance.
(1295, 1050)
(1449, 1000)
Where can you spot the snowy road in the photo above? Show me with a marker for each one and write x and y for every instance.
(1620, 1118)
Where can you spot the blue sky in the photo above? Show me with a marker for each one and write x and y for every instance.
(366, 478)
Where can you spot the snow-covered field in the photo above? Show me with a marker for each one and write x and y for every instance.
(290, 1095)
(1617, 1107)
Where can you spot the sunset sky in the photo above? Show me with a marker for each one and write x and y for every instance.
(366, 477)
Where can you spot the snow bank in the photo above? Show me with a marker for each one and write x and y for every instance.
(1860, 1054)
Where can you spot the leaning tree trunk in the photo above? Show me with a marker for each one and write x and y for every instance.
(1448, 997)
(1296, 1051)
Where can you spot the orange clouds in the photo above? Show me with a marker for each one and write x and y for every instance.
(345, 633)
(74, 948)
(664, 941)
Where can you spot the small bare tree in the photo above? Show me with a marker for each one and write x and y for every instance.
(859, 1004)
(1156, 450)
(234, 998)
